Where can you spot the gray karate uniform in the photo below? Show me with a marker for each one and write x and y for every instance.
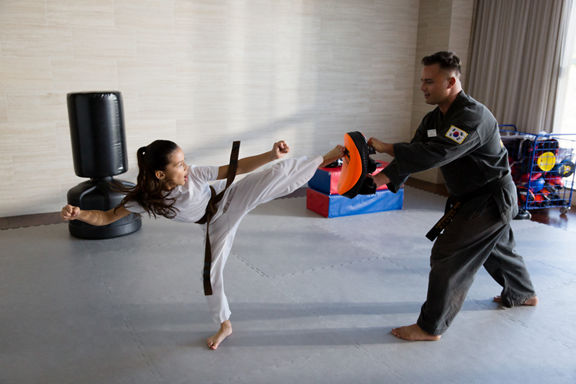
(465, 143)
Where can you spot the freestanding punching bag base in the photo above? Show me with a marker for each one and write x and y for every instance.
(102, 195)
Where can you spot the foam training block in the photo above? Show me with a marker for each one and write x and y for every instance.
(337, 205)
(326, 180)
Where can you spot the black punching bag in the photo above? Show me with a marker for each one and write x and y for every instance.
(99, 151)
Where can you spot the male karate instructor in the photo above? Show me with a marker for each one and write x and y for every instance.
(461, 137)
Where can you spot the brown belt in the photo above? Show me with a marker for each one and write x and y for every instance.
(450, 211)
(211, 209)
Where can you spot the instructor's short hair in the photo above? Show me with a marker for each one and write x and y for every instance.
(446, 59)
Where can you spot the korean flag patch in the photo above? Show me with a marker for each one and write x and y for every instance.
(456, 134)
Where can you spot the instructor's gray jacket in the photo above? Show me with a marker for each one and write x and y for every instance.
(465, 143)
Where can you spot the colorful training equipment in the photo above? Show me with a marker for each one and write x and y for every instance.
(537, 185)
(525, 178)
(556, 181)
(356, 167)
(566, 168)
(546, 161)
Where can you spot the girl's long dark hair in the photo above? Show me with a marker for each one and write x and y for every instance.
(149, 191)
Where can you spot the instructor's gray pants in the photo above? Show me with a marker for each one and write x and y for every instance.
(478, 235)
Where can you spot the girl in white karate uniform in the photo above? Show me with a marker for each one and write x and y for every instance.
(168, 187)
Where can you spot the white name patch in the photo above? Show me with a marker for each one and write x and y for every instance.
(456, 134)
(431, 133)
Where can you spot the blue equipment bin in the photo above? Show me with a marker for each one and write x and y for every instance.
(542, 167)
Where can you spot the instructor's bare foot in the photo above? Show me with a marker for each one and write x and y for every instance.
(531, 302)
(225, 330)
(414, 333)
(334, 154)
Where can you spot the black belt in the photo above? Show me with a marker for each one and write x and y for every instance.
(211, 210)
(454, 203)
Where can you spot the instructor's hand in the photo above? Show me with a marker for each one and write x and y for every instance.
(380, 179)
(70, 212)
(377, 144)
(381, 147)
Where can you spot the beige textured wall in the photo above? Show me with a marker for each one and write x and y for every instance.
(200, 72)
(442, 25)
(205, 72)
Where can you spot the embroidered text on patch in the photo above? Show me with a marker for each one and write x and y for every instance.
(456, 134)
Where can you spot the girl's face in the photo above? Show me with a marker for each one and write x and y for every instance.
(176, 172)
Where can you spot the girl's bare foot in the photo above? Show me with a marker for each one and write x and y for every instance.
(225, 330)
(531, 302)
(414, 333)
(334, 154)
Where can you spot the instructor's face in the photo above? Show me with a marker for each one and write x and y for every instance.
(435, 83)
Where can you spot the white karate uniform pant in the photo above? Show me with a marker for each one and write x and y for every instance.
(241, 197)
